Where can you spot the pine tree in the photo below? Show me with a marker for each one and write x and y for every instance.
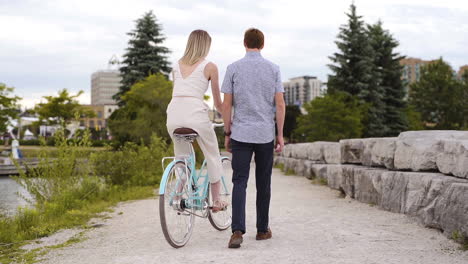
(354, 72)
(352, 65)
(144, 56)
(387, 65)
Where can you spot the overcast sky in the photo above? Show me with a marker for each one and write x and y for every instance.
(47, 45)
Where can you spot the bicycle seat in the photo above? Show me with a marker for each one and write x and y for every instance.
(185, 133)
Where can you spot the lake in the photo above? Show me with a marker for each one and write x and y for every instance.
(9, 199)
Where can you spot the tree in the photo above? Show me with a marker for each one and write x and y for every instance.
(144, 112)
(290, 121)
(439, 97)
(352, 65)
(387, 64)
(8, 106)
(144, 55)
(464, 83)
(333, 117)
(354, 72)
(62, 109)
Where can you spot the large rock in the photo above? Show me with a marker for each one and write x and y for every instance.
(351, 150)
(347, 180)
(451, 210)
(291, 164)
(319, 171)
(320, 151)
(366, 154)
(416, 194)
(418, 150)
(332, 152)
(454, 158)
(368, 185)
(383, 152)
(300, 150)
(277, 160)
(335, 176)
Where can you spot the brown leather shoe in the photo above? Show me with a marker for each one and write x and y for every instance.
(264, 235)
(236, 240)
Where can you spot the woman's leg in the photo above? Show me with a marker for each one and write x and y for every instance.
(209, 145)
(181, 149)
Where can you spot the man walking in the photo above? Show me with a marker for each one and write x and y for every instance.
(252, 85)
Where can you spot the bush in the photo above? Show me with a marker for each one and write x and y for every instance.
(55, 177)
(30, 142)
(133, 164)
(66, 192)
(331, 118)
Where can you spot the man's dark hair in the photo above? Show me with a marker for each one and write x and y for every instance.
(253, 38)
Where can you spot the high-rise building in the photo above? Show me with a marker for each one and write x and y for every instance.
(302, 89)
(462, 70)
(412, 69)
(104, 84)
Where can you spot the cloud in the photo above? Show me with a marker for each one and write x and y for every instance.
(53, 44)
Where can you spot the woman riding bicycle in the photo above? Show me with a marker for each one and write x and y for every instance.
(187, 109)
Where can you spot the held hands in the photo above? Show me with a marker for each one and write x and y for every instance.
(279, 144)
(227, 143)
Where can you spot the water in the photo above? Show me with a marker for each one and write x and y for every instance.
(9, 199)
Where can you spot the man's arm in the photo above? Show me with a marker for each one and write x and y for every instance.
(227, 110)
(280, 115)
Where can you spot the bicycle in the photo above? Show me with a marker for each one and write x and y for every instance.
(184, 194)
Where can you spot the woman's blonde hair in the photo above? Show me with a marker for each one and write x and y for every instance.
(198, 46)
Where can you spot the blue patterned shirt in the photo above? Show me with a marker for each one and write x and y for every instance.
(253, 82)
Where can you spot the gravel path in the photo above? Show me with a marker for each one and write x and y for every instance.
(310, 224)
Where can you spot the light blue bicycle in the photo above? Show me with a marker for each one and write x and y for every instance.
(184, 194)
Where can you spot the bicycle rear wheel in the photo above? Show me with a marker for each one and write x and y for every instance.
(177, 219)
(222, 219)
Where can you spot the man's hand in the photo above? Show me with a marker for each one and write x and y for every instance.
(227, 143)
(279, 144)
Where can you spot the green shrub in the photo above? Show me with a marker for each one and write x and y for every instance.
(67, 192)
(133, 164)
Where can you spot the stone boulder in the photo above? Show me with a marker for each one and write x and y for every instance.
(331, 152)
(320, 151)
(383, 152)
(368, 185)
(451, 210)
(291, 164)
(454, 158)
(319, 171)
(334, 176)
(418, 150)
(351, 150)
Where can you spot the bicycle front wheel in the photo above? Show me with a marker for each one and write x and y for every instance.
(177, 218)
(222, 219)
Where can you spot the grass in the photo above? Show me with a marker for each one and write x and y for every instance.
(279, 166)
(460, 238)
(30, 224)
(319, 181)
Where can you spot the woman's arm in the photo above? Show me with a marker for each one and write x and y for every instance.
(211, 71)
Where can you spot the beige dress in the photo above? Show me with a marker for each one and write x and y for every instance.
(192, 112)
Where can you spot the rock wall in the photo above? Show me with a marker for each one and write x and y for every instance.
(423, 174)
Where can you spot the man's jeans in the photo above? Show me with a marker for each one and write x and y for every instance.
(241, 157)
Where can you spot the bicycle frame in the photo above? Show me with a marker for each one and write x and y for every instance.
(200, 190)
